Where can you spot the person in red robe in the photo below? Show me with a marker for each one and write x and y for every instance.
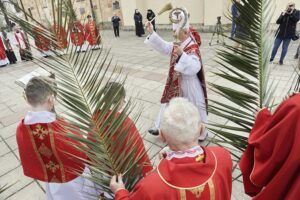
(188, 171)
(23, 45)
(91, 33)
(118, 99)
(270, 163)
(46, 152)
(61, 41)
(41, 42)
(77, 35)
(3, 57)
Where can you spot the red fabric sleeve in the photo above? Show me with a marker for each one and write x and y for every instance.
(247, 161)
(122, 195)
(144, 161)
(270, 164)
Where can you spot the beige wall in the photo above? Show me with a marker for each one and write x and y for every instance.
(202, 12)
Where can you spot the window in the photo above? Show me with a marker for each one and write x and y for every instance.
(82, 11)
(44, 3)
(116, 5)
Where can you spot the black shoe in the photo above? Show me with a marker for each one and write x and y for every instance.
(271, 60)
(280, 62)
(154, 131)
(296, 56)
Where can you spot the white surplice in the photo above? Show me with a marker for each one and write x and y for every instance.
(79, 188)
(188, 66)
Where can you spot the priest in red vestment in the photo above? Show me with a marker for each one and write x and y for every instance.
(41, 41)
(23, 45)
(77, 35)
(188, 171)
(91, 33)
(3, 57)
(118, 99)
(186, 72)
(61, 37)
(46, 152)
(270, 163)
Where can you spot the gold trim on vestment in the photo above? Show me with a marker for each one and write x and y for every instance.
(196, 190)
(212, 189)
(53, 147)
(182, 194)
(37, 153)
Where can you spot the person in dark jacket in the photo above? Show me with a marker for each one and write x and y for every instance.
(235, 14)
(138, 19)
(116, 23)
(150, 16)
(286, 31)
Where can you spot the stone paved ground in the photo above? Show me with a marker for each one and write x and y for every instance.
(147, 73)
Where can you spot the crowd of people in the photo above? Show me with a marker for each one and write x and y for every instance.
(82, 37)
(186, 169)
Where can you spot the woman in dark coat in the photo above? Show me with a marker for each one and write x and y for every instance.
(138, 19)
(150, 16)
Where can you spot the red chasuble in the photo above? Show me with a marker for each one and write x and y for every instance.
(270, 164)
(77, 34)
(41, 42)
(172, 87)
(61, 36)
(186, 179)
(91, 33)
(136, 142)
(2, 50)
(47, 154)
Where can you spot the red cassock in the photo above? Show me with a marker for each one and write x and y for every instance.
(270, 164)
(2, 50)
(61, 36)
(136, 142)
(186, 178)
(47, 154)
(41, 42)
(77, 35)
(91, 33)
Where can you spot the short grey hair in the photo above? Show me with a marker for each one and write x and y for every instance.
(181, 121)
(38, 89)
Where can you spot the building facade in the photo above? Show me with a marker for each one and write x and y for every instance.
(203, 12)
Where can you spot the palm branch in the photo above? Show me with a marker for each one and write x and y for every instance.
(246, 74)
(81, 79)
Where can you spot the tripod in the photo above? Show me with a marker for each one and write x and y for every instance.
(219, 31)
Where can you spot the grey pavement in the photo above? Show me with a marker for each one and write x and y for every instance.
(147, 72)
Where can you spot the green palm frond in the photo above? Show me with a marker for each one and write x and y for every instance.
(6, 187)
(246, 73)
(81, 84)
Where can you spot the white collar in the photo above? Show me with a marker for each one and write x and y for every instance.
(186, 42)
(39, 117)
(190, 153)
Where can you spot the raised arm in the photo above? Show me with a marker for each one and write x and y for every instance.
(156, 42)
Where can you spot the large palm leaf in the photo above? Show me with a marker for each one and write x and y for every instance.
(245, 75)
(80, 83)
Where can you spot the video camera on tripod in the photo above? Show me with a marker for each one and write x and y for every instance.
(219, 31)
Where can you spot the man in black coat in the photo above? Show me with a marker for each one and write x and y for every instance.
(286, 31)
(116, 24)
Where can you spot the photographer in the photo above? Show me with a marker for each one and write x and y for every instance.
(286, 31)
